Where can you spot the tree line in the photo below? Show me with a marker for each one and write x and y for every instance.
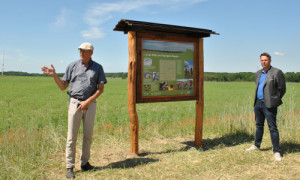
(208, 76)
(18, 73)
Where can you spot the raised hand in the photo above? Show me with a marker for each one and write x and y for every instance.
(49, 71)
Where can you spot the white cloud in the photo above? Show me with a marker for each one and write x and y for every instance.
(99, 13)
(23, 58)
(61, 19)
(93, 33)
(279, 53)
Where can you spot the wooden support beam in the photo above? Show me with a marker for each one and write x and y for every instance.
(132, 71)
(200, 100)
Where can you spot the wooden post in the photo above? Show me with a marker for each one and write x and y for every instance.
(200, 100)
(132, 69)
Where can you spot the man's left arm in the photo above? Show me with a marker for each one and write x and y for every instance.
(281, 85)
(85, 104)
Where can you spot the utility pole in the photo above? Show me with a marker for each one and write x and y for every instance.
(3, 63)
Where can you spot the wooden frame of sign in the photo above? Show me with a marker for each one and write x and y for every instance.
(138, 85)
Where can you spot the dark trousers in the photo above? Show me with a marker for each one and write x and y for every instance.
(262, 113)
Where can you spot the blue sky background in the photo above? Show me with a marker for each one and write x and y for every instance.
(35, 33)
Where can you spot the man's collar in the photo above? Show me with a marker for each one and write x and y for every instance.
(90, 61)
(266, 71)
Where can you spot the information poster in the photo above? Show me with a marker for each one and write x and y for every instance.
(167, 68)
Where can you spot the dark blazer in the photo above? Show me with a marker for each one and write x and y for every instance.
(274, 87)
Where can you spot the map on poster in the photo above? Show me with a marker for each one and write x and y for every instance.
(167, 68)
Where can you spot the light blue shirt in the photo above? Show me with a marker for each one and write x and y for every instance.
(260, 89)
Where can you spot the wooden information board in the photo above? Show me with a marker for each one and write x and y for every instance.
(165, 64)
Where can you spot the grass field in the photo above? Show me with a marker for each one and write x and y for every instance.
(33, 128)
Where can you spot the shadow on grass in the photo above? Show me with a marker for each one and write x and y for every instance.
(165, 152)
(131, 163)
(266, 148)
(128, 163)
(289, 147)
(227, 140)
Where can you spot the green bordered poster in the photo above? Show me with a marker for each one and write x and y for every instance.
(168, 68)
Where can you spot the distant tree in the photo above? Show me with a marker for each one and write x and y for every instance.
(124, 75)
(292, 77)
(208, 76)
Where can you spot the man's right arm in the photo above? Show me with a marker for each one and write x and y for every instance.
(51, 72)
(60, 83)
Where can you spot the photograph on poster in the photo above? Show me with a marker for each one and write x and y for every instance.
(147, 62)
(148, 75)
(147, 87)
(163, 86)
(155, 76)
(188, 69)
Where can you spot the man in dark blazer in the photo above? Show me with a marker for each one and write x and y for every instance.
(270, 88)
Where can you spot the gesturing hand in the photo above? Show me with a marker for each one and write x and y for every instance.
(49, 71)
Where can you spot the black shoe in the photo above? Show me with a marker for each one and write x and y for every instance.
(70, 173)
(87, 167)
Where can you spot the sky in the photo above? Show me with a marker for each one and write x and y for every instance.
(35, 33)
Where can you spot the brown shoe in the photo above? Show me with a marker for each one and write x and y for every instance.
(70, 173)
(87, 167)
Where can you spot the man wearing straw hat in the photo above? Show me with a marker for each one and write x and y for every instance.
(86, 78)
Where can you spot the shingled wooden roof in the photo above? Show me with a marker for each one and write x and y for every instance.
(139, 26)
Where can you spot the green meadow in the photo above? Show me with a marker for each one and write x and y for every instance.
(33, 129)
